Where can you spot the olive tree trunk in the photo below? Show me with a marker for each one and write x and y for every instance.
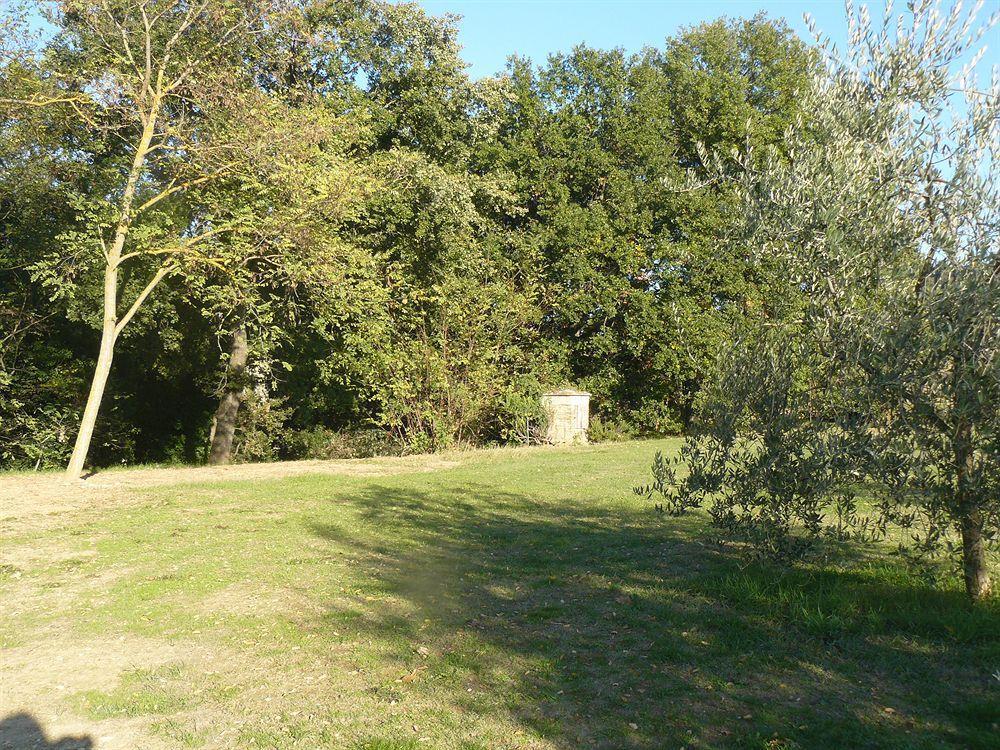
(977, 577)
(224, 429)
(970, 516)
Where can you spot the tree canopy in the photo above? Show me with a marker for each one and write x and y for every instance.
(309, 211)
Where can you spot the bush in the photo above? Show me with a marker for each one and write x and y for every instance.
(261, 434)
(654, 417)
(323, 443)
(609, 430)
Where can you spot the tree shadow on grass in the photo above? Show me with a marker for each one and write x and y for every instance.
(620, 631)
(21, 731)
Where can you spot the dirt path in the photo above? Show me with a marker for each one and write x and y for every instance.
(28, 499)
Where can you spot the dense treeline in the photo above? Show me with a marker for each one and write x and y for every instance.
(348, 244)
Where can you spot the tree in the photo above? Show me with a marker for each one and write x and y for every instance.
(36, 365)
(870, 407)
(637, 293)
(429, 342)
(156, 80)
(293, 207)
(149, 74)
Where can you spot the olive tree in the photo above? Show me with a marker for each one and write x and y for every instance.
(870, 407)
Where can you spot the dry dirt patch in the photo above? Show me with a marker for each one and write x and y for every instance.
(44, 689)
(40, 681)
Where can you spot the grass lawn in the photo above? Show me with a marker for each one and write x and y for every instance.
(502, 599)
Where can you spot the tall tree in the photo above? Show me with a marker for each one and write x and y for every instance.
(435, 348)
(152, 75)
(155, 78)
(637, 295)
(309, 58)
(293, 206)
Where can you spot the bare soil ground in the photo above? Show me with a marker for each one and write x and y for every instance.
(40, 676)
(36, 678)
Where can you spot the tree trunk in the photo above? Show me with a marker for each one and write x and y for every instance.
(977, 578)
(101, 372)
(229, 405)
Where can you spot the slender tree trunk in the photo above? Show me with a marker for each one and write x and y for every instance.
(101, 371)
(109, 329)
(229, 405)
(974, 568)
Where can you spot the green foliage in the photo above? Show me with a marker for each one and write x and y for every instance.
(608, 430)
(323, 443)
(872, 408)
(636, 293)
(408, 250)
(262, 434)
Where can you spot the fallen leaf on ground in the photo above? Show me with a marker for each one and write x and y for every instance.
(412, 675)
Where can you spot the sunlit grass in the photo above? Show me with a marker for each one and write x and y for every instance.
(518, 600)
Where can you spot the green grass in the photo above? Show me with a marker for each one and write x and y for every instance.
(522, 599)
(140, 692)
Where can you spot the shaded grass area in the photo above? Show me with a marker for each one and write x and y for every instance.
(521, 600)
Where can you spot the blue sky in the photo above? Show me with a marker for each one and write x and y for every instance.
(491, 30)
